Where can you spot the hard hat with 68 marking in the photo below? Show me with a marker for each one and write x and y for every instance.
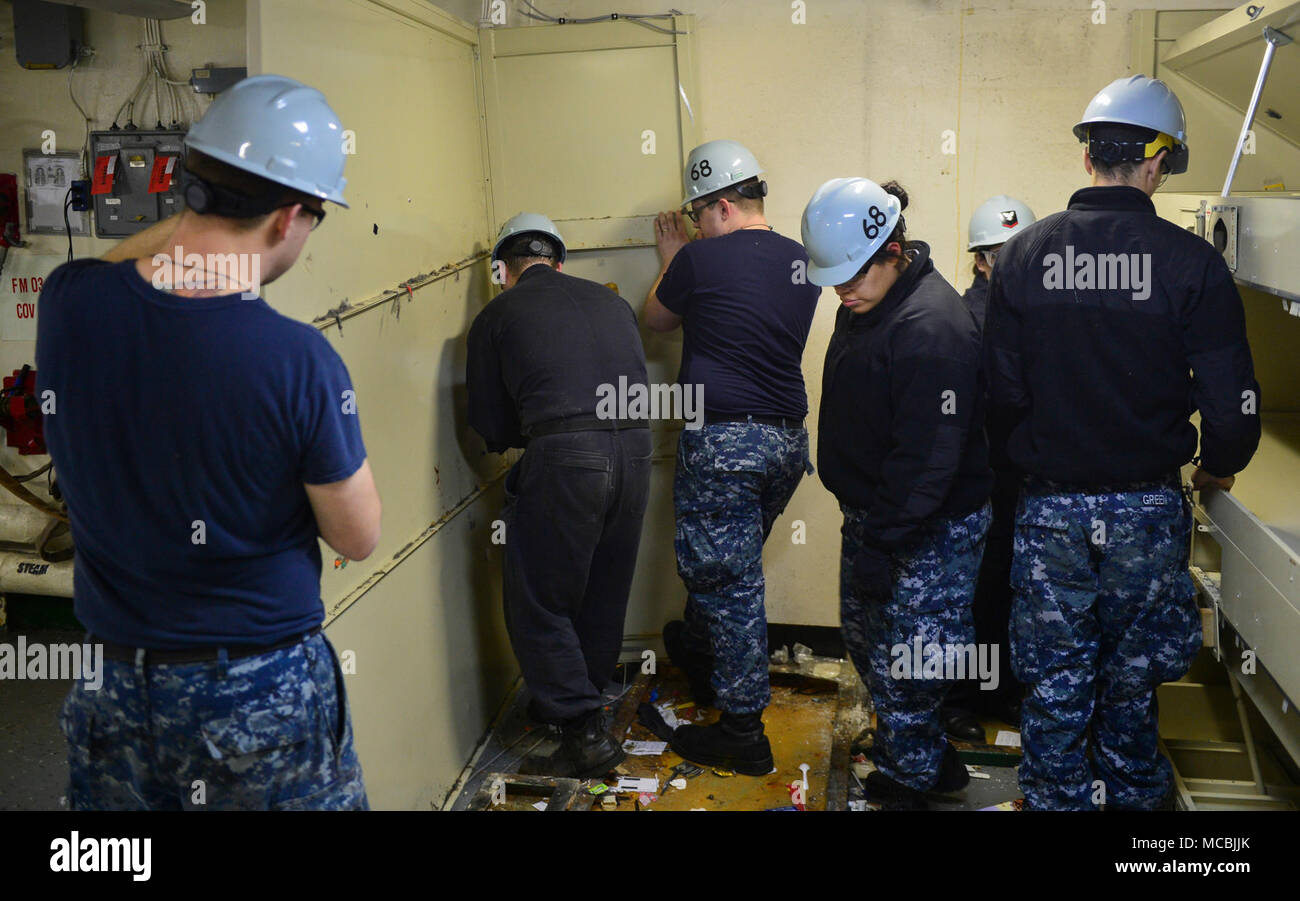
(717, 165)
(847, 220)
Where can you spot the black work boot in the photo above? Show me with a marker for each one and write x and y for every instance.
(891, 795)
(961, 724)
(697, 667)
(953, 777)
(586, 747)
(735, 742)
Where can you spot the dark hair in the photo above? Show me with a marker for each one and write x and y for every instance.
(899, 234)
(523, 250)
(1110, 155)
(268, 194)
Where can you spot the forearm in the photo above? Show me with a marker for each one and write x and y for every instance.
(658, 317)
(153, 240)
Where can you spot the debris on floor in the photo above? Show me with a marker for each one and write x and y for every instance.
(819, 722)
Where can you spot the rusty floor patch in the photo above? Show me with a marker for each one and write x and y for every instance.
(818, 707)
(820, 716)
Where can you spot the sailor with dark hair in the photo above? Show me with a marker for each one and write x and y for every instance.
(1107, 327)
(901, 446)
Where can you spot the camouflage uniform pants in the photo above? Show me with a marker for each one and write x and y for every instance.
(270, 731)
(1104, 612)
(934, 585)
(732, 481)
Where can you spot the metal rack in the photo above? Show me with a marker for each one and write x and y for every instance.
(1246, 545)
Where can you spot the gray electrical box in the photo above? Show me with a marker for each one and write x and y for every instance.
(46, 35)
(214, 79)
(135, 179)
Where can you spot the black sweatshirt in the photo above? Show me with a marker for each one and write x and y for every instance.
(977, 297)
(1107, 327)
(901, 425)
(542, 350)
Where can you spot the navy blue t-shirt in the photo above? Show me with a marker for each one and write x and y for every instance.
(746, 311)
(182, 433)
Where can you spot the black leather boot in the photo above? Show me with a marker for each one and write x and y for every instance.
(953, 777)
(961, 725)
(891, 795)
(735, 742)
(586, 748)
(697, 667)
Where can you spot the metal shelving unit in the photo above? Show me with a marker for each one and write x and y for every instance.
(1246, 546)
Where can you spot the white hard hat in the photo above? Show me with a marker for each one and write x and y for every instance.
(1146, 103)
(717, 165)
(997, 219)
(279, 129)
(529, 222)
(845, 223)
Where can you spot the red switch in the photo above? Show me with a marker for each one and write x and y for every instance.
(105, 167)
(160, 179)
(20, 415)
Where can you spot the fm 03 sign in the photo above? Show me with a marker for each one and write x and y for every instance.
(21, 281)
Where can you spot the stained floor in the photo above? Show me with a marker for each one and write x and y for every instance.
(815, 719)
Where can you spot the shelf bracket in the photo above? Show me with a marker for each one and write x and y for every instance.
(1274, 39)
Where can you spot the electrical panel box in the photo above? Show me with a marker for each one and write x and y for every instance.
(135, 179)
(214, 80)
(46, 35)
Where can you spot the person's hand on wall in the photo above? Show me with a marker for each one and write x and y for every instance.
(670, 235)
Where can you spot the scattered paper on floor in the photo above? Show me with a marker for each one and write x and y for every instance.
(645, 748)
(1007, 739)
